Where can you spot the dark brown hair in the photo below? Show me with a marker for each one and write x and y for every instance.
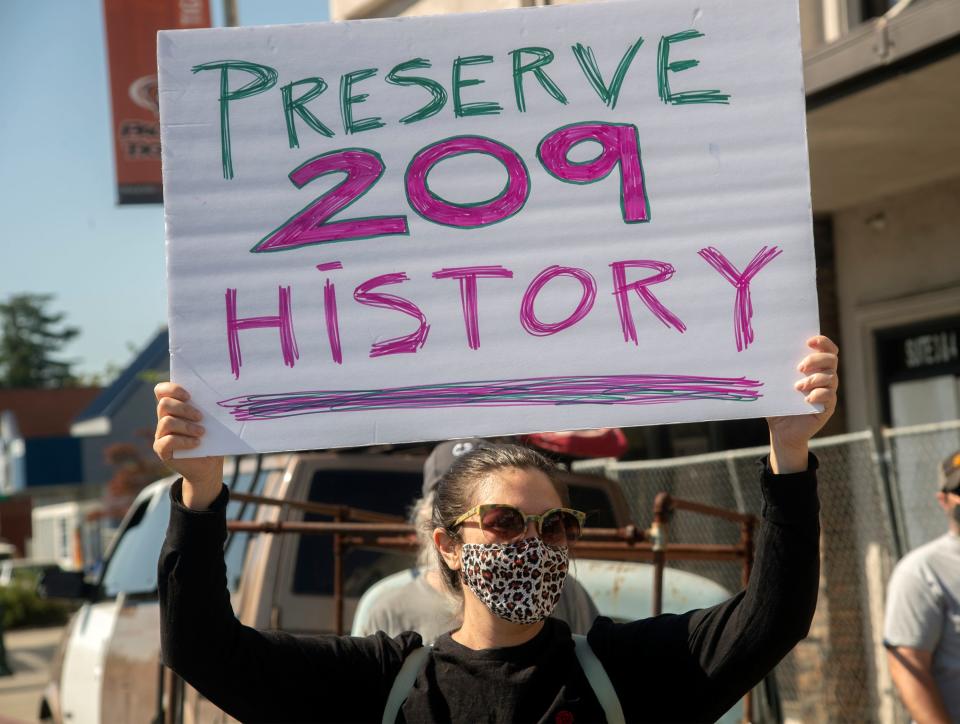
(457, 489)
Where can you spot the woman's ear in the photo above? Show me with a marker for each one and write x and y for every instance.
(449, 548)
(944, 501)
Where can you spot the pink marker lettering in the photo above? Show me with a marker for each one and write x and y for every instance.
(743, 305)
(312, 225)
(468, 276)
(528, 317)
(330, 312)
(396, 345)
(621, 146)
(467, 216)
(622, 289)
(283, 321)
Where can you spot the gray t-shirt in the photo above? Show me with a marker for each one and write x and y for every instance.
(923, 611)
(415, 605)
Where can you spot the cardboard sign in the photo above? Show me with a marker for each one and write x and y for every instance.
(542, 219)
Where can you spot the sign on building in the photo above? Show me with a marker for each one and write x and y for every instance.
(131, 32)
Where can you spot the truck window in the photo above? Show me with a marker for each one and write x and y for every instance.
(132, 568)
(595, 503)
(383, 491)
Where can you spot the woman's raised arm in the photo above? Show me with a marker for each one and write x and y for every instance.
(179, 428)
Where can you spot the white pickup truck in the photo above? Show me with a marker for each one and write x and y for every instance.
(108, 666)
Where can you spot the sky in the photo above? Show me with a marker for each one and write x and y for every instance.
(61, 231)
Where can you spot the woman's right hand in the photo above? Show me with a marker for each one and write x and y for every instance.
(178, 428)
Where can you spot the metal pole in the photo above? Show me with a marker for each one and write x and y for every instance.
(658, 535)
(230, 13)
(338, 578)
(174, 697)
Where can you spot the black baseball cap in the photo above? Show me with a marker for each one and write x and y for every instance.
(444, 455)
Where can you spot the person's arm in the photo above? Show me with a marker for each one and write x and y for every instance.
(702, 662)
(738, 643)
(255, 675)
(913, 625)
(912, 672)
(710, 658)
(252, 675)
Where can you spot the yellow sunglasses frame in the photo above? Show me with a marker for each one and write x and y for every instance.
(538, 519)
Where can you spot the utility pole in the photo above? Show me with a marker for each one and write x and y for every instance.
(230, 13)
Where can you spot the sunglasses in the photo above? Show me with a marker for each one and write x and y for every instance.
(557, 527)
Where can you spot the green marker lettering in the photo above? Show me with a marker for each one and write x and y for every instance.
(591, 69)
(542, 57)
(347, 101)
(293, 105)
(664, 67)
(436, 89)
(264, 79)
(480, 108)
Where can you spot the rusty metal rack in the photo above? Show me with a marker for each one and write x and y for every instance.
(351, 527)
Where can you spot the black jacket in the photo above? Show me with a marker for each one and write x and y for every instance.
(689, 667)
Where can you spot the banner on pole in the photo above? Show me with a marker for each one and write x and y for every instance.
(551, 218)
(131, 32)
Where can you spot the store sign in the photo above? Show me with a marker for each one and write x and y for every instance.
(131, 29)
(541, 219)
(928, 350)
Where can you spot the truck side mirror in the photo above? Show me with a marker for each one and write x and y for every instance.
(65, 584)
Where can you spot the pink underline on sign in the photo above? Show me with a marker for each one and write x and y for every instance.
(533, 391)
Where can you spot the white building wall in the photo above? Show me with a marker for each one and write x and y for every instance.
(897, 263)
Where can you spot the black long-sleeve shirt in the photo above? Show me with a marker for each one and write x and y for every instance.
(688, 667)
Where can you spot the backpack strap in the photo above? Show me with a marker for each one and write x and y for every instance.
(599, 680)
(403, 684)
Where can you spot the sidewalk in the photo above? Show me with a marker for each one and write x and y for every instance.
(29, 652)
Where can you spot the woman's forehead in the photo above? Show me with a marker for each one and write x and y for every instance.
(526, 488)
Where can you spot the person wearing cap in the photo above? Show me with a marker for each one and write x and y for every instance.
(922, 626)
(416, 599)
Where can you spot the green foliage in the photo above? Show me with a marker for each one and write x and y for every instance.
(30, 339)
(22, 608)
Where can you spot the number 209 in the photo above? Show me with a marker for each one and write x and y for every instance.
(363, 167)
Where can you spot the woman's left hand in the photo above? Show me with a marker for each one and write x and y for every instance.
(790, 434)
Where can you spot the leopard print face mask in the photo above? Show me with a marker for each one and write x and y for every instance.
(519, 582)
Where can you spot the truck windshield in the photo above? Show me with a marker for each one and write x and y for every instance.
(132, 568)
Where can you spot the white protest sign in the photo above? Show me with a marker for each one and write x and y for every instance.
(541, 219)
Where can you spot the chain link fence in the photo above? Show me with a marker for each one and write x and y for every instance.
(874, 507)
(914, 454)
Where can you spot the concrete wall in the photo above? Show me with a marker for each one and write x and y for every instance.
(897, 262)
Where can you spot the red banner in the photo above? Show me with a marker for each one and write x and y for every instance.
(131, 31)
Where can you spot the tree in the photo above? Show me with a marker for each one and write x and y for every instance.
(132, 472)
(30, 340)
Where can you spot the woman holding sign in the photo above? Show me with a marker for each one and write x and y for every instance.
(502, 535)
